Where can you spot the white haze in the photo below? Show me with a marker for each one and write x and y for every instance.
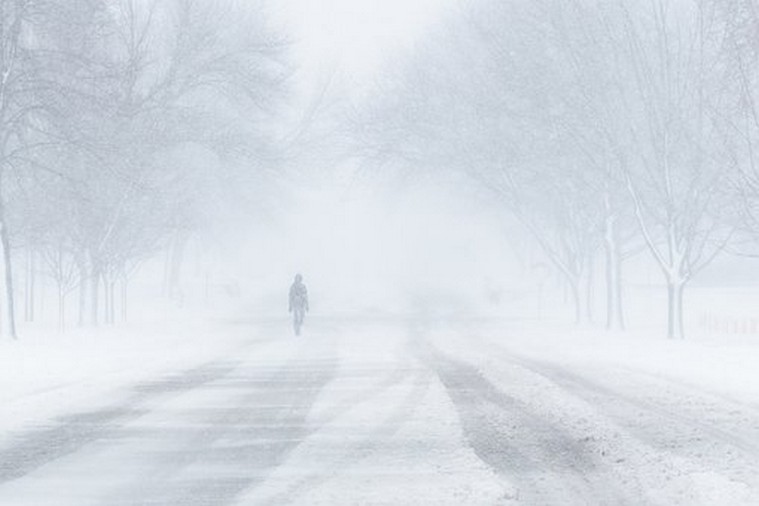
(529, 232)
(366, 243)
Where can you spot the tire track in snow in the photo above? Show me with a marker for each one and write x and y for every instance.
(361, 449)
(366, 444)
(32, 449)
(239, 445)
(671, 420)
(546, 463)
(27, 450)
(684, 444)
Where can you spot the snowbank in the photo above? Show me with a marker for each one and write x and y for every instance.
(47, 373)
(722, 364)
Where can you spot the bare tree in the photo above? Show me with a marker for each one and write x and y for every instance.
(504, 107)
(17, 102)
(101, 106)
(679, 164)
(596, 123)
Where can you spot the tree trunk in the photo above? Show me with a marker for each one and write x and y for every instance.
(10, 300)
(61, 308)
(29, 299)
(106, 301)
(614, 312)
(620, 306)
(82, 293)
(27, 282)
(165, 287)
(675, 328)
(576, 298)
(589, 294)
(124, 294)
(112, 299)
(109, 312)
(95, 276)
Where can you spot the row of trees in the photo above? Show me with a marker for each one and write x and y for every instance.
(121, 124)
(605, 127)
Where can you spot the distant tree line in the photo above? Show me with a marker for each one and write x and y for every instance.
(102, 106)
(606, 127)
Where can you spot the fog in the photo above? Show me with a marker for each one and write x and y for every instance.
(367, 240)
(380, 248)
(379, 252)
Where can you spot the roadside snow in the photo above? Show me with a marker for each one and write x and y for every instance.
(46, 373)
(725, 365)
(673, 422)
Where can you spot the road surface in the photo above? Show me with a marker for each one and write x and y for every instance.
(395, 413)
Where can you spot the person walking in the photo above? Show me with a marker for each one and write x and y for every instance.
(298, 303)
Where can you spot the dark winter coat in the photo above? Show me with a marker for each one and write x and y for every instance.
(298, 296)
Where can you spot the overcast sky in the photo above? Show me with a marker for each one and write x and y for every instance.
(354, 37)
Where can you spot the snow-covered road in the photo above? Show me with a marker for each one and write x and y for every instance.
(392, 413)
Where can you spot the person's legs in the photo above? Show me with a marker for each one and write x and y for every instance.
(298, 314)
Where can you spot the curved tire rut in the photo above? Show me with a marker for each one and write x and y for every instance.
(544, 461)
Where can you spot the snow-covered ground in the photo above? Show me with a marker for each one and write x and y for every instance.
(378, 412)
(47, 373)
(670, 422)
